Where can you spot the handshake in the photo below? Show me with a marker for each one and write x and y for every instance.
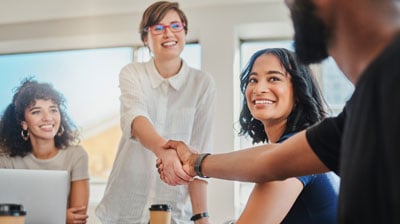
(177, 164)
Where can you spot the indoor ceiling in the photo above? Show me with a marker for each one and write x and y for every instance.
(19, 11)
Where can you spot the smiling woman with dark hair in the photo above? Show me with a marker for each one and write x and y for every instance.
(280, 98)
(362, 139)
(36, 133)
(26, 96)
(308, 107)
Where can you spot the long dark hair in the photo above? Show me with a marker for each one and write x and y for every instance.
(309, 104)
(25, 95)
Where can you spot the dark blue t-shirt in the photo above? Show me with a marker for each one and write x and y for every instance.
(317, 202)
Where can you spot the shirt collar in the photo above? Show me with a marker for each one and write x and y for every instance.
(284, 137)
(175, 81)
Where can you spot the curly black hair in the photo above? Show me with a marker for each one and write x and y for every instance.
(25, 95)
(309, 104)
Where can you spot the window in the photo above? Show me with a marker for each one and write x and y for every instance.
(335, 87)
(88, 79)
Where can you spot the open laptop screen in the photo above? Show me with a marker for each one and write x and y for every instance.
(43, 193)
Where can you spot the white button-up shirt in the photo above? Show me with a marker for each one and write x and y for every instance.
(180, 108)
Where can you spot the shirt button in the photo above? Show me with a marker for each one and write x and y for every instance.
(164, 87)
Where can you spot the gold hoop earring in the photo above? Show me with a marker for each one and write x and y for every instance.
(25, 134)
(61, 131)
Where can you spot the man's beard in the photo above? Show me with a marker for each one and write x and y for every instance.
(311, 35)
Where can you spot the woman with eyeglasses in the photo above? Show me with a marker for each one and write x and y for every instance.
(160, 99)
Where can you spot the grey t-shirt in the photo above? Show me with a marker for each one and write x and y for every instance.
(74, 159)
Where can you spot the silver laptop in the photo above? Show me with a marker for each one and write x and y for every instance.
(43, 193)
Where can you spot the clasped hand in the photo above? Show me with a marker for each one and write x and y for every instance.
(74, 215)
(175, 164)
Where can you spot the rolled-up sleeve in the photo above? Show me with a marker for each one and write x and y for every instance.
(80, 166)
(325, 140)
(132, 100)
(202, 127)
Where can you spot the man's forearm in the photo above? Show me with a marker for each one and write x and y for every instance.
(267, 162)
(238, 165)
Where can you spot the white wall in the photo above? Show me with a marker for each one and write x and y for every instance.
(218, 30)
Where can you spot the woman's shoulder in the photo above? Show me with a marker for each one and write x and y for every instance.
(77, 150)
(135, 70)
(5, 160)
(199, 72)
(134, 65)
(128, 68)
(201, 76)
(326, 179)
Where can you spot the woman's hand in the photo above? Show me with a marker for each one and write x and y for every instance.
(74, 215)
(186, 155)
(170, 168)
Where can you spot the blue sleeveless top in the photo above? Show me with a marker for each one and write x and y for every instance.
(317, 203)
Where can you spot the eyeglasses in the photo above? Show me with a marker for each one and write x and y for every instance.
(160, 28)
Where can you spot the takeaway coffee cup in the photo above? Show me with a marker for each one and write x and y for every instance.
(160, 214)
(12, 214)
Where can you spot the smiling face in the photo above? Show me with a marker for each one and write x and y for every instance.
(42, 119)
(168, 44)
(269, 92)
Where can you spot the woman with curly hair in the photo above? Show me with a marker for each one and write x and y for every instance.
(36, 133)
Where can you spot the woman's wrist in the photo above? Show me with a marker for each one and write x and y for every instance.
(199, 216)
(159, 146)
(191, 162)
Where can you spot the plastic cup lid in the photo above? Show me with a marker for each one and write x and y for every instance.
(12, 210)
(160, 207)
